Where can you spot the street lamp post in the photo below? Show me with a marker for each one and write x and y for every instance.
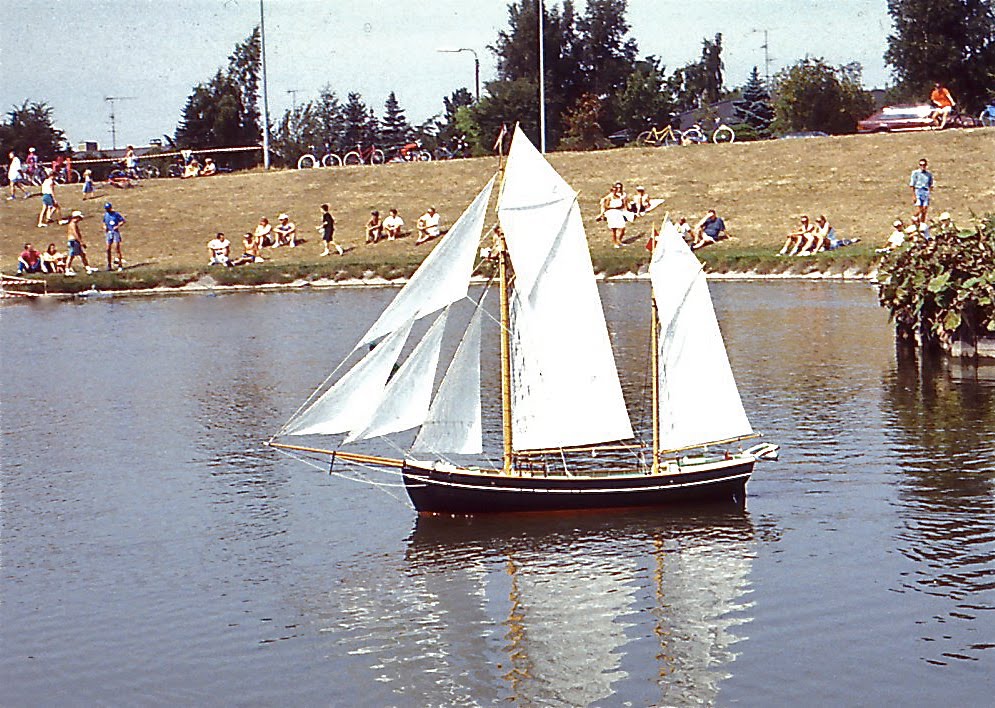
(262, 43)
(542, 79)
(476, 64)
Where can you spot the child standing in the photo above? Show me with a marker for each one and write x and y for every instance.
(87, 184)
(327, 230)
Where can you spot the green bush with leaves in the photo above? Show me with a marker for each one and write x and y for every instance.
(944, 288)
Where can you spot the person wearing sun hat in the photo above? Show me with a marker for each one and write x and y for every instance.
(76, 245)
(285, 232)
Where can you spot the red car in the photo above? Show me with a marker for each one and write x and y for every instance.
(898, 119)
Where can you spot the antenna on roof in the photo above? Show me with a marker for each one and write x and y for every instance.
(111, 100)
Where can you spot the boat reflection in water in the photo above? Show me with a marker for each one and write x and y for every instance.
(562, 610)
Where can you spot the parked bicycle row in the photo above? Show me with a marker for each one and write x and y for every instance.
(372, 155)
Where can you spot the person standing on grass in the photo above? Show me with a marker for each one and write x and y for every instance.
(921, 184)
(48, 204)
(615, 211)
(14, 175)
(327, 230)
(113, 221)
(76, 245)
(87, 184)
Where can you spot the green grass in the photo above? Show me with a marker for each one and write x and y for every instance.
(760, 189)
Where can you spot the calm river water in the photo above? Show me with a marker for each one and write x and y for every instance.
(154, 554)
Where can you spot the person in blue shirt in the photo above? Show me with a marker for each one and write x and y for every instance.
(921, 184)
(709, 230)
(113, 221)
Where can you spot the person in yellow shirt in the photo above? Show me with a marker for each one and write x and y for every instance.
(943, 104)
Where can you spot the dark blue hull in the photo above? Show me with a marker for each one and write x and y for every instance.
(454, 491)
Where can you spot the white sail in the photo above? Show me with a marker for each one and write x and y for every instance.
(454, 424)
(442, 278)
(352, 399)
(565, 386)
(403, 404)
(699, 401)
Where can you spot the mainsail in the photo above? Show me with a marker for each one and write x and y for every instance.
(566, 389)
(699, 400)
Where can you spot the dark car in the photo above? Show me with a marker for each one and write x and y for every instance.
(894, 119)
(622, 137)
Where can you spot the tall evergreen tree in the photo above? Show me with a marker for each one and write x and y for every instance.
(329, 116)
(950, 41)
(608, 54)
(394, 129)
(371, 129)
(754, 108)
(354, 117)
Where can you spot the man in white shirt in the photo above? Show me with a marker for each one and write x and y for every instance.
(392, 225)
(14, 175)
(220, 248)
(48, 203)
(428, 226)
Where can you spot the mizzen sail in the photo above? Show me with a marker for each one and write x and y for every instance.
(699, 400)
(566, 389)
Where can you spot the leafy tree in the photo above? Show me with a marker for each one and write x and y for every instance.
(395, 128)
(224, 111)
(700, 82)
(608, 55)
(950, 41)
(754, 108)
(30, 125)
(506, 103)
(645, 101)
(582, 129)
(812, 95)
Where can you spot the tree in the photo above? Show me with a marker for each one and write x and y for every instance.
(608, 55)
(30, 125)
(699, 83)
(506, 103)
(394, 129)
(812, 95)
(354, 120)
(645, 101)
(582, 129)
(754, 108)
(224, 111)
(950, 41)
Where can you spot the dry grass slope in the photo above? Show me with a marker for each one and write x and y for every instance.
(859, 182)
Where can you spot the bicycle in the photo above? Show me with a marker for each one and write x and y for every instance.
(655, 137)
(723, 134)
(67, 176)
(409, 152)
(371, 155)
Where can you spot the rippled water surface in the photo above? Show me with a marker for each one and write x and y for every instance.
(154, 553)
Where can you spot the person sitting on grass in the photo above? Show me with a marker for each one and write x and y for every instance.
(896, 239)
(250, 250)
(29, 261)
(209, 168)
(220, 250)
(428, 226)
(285, 233)
(825, 237)
(641, 203)
(264, 233)
(797, 242)
(52, 261)
(374, 227)
(192, 169)
(709, 230)
(392, 225)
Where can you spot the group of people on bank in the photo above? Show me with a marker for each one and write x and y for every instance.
(51, 260)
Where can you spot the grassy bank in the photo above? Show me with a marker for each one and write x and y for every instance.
(859, 182)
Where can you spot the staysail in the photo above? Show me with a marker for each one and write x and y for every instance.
(565, 387)
(403, 404)
(699, 400)
(442, 278)
(351, 401)
(453, 423)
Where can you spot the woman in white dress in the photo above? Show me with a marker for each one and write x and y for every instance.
(615, 211)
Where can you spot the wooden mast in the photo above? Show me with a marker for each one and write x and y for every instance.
(655, 369)
(505, 351)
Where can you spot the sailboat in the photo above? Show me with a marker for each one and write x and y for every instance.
(567, 439)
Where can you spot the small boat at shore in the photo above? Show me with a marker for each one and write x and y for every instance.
(567, 442)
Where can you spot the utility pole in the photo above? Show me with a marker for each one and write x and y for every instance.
(262, 57)
(112, 100)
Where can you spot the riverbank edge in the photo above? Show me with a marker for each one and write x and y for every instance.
(207, 284)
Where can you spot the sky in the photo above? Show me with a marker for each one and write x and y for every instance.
(151, 53)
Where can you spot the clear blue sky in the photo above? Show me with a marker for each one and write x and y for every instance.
(157, 50)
